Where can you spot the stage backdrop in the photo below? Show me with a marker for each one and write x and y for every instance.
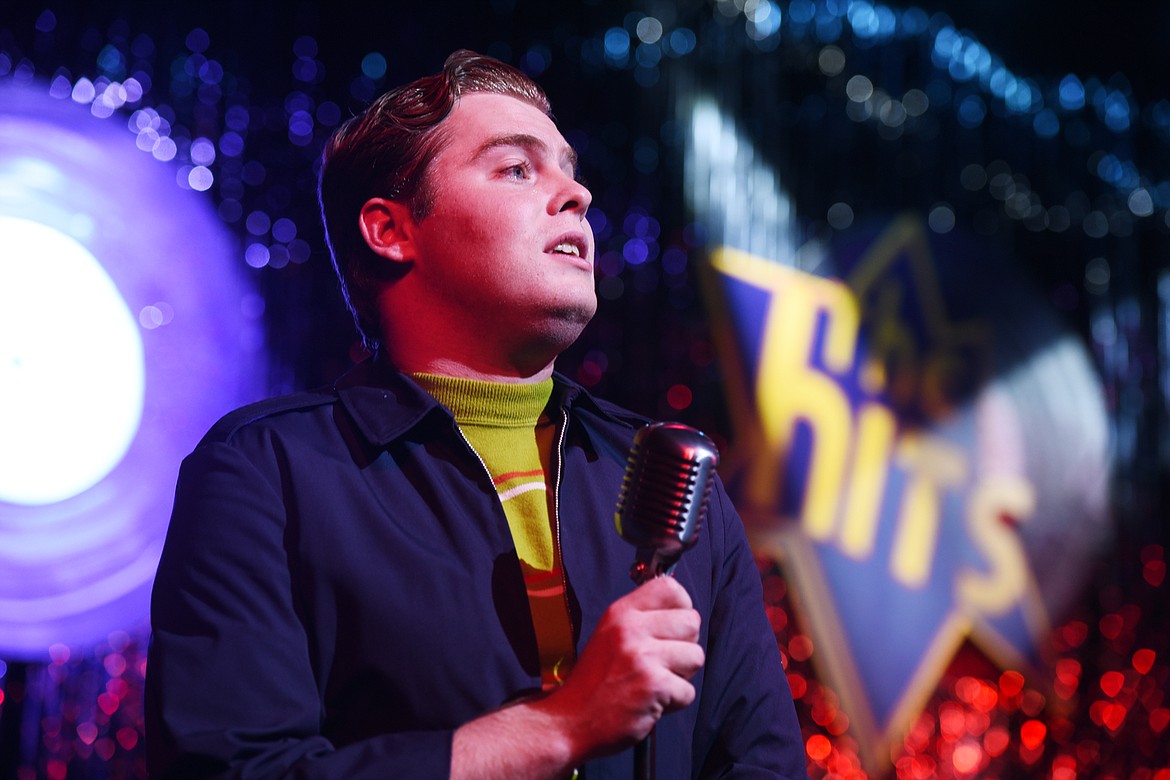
(916, 292)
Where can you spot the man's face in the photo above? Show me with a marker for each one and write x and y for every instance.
(505, 251)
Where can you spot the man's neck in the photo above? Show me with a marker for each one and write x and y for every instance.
(446, 366)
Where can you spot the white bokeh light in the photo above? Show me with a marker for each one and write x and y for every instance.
(71, 366)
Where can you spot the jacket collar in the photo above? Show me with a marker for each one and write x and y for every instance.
(385, 404)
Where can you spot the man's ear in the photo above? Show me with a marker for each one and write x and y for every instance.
(388, 228)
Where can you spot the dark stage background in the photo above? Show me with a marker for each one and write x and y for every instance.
(267, 81)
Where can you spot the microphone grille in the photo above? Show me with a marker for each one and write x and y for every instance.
(664, 494)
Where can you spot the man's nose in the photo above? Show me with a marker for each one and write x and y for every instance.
(574, 196)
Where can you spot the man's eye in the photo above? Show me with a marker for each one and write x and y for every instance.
(517, 171)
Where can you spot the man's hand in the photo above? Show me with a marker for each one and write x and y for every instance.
(636, 667)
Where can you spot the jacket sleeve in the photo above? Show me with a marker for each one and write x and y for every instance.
(747, 725)
(230, 690)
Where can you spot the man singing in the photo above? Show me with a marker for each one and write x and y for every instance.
(415, 573)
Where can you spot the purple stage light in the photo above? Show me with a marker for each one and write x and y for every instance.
(126, 328)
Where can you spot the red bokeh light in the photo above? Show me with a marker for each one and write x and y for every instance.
(801, 647)
(1032, 734)
(1064, 768)
(589, 373)
(1011, 683)
(1153, 564)
(798, 685)
(1143, 660)
(1073, 634)
(1112, 683)
(1154, 572)
(968, 757)
(996, 741)
(1111, 626)
(679, 397)
(818, 747)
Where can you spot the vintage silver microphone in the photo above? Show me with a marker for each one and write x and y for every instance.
(663, 499)
(661, 507)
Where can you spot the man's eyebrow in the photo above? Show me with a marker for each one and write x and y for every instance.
(525, 141)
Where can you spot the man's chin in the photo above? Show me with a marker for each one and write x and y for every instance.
(574, 317)
(561, 328)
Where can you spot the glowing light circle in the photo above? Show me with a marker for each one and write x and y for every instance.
(62, 317)
(126, 329)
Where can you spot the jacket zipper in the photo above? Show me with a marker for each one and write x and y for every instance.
(487, 472)
(560, 467)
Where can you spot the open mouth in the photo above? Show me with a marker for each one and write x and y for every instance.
(571, 245)
(566, 248)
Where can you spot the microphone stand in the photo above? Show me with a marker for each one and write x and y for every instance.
(647, 565)
(644, 758)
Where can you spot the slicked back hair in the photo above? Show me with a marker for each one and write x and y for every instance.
(385, 152)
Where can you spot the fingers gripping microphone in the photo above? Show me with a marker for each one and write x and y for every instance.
(663, 499)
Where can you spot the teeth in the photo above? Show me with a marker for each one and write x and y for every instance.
(567, 249)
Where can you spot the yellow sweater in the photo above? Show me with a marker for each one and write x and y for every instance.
(507, 426)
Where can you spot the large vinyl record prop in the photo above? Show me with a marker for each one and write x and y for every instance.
(125, 330)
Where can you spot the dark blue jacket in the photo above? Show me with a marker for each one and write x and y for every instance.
(339, 591)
